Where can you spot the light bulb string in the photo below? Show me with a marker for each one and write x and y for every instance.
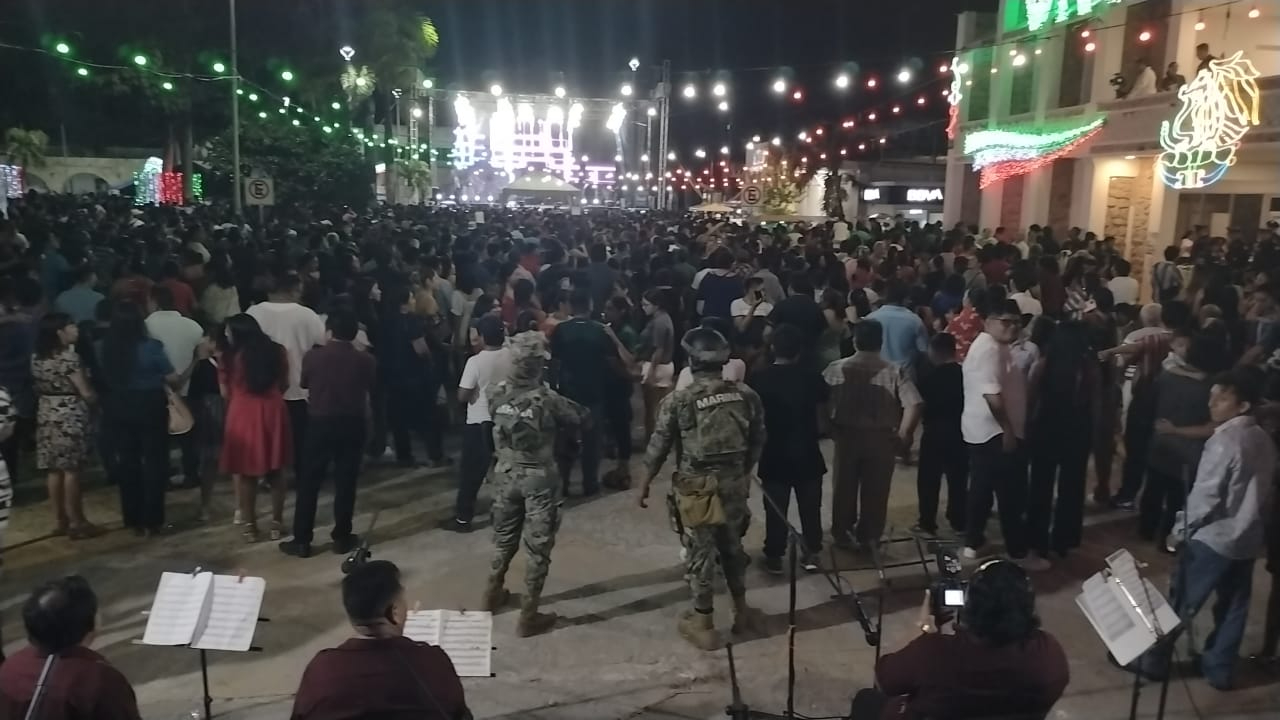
(1030, 37)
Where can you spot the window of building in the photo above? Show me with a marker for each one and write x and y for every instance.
(1022, 89)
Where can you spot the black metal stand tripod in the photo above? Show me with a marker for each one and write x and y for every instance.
(738, 710)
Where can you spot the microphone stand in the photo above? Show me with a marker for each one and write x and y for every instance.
(737, 709)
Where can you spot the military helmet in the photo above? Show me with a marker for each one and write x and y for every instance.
(705, 347)
(528, 355)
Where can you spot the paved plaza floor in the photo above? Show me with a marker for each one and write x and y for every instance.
(616, 580)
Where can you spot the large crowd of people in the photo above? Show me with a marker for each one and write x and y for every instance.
(331, 336)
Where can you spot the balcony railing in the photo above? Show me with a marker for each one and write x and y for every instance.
(1133, 124)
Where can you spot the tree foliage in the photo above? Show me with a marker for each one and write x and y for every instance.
(26, 148)
(307, 165)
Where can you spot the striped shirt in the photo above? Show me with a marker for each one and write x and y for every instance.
(1167, 280)
(869, 393)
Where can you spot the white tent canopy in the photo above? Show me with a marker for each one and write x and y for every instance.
(539, 183)
(711, 207)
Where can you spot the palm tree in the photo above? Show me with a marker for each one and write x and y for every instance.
(398, 41)
(25, 148)
(417, 174)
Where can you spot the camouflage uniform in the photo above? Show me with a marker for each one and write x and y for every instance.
(717, 430)
(527, 494)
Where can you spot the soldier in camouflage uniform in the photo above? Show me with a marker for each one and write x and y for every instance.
(717, 430)
(527, 494)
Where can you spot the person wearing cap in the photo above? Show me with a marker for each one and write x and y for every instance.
(716, 429)
(527, 496)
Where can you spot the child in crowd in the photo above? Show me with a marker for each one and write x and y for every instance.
(942, 448)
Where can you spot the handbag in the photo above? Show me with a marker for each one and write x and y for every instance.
(180, 419)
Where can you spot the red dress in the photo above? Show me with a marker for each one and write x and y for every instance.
(256, 438)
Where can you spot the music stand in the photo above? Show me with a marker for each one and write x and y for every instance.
(1121, 606)
(202, 611)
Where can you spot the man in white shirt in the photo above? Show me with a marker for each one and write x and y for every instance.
(753, 304)
(298, 328)
(180, 336)
(839, 232)
(486, 368)
(1144, 81)
(1027, 304)
(1124, 289)
(994, 425)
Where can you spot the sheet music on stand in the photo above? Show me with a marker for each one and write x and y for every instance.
(465, 636)
(205, 611)
(1125, 609)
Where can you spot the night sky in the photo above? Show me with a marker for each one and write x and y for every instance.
(530, 46)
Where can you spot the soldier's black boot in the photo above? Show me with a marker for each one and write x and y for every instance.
(531, 621)
(495, 595)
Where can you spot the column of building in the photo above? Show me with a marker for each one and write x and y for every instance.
(1047, 67)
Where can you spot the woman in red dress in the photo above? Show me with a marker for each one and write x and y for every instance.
(256, 443)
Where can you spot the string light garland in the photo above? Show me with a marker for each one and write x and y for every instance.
(1020, 149)
(955, 95)
(1219, 107)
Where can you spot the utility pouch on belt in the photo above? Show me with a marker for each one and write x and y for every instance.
(698, 501)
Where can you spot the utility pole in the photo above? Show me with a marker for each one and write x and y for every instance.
(235, 117)
(664, 109)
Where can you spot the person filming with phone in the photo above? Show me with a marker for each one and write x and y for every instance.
(980, 654)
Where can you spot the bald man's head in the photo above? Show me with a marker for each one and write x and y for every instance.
(1150, 314)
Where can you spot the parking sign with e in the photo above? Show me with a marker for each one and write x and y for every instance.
(259, 191)
(751, 195)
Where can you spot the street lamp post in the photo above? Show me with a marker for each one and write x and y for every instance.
(235, 116)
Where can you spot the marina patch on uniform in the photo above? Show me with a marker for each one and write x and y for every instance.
(711, 401)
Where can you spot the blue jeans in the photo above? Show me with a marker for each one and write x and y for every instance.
(1199, 573)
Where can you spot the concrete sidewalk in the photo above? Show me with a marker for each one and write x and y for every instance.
(615, 579)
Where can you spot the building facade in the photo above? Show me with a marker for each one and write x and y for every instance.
(1056, 122)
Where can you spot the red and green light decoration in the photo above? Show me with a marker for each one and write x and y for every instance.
(1023, 148)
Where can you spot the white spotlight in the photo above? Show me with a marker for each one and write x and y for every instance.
(627, 90)
(690, 91)
(842, 81)
(718, 90)
(496, 89)
(723, 106)
(904, 76)
(560, 91)
(779, 86)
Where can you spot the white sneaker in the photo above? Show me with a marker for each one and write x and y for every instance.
(237, 519)
(1033, 563)
(969, 553)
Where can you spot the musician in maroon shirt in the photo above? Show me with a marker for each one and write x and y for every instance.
(379, 672)
(61, 617)
(997, 663)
